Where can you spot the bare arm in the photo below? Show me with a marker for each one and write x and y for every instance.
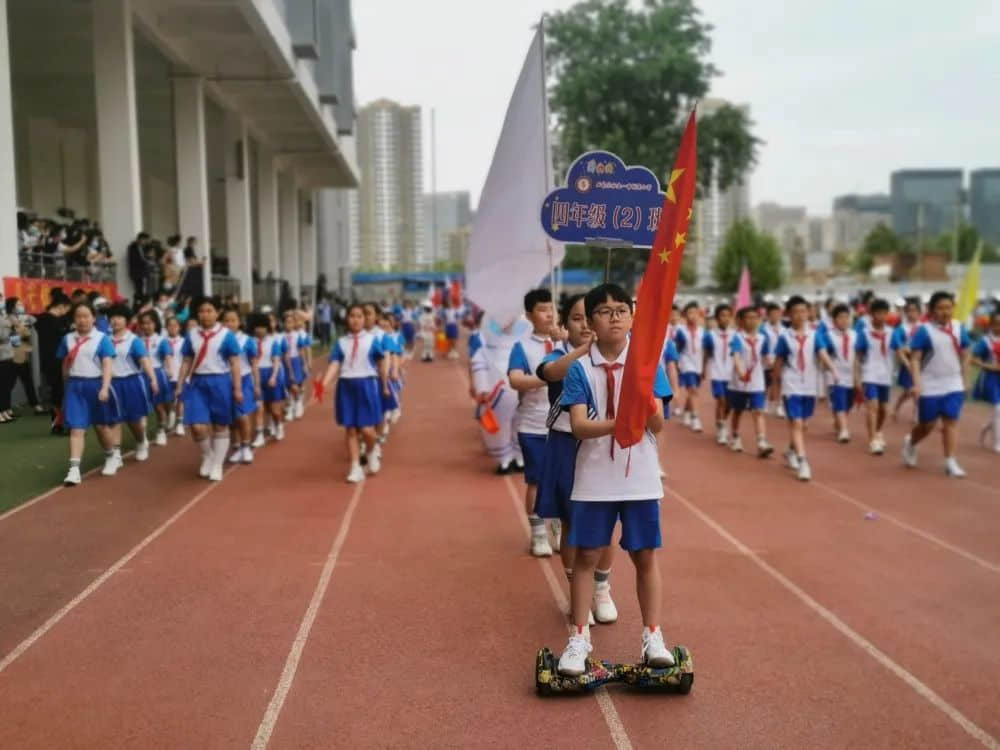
(824, 357)
(105, 379)
(255, 373)
(738, 365)
(383, 373)
(654, 423)
(556, 370)
(182, 376)
(521, 381)
(234, 372)
(147, 367)
(984, 365)
(585, 428)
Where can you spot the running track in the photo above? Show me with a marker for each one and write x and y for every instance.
(283, 608)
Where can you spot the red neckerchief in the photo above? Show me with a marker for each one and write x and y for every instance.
(149, 346)
(995, 346)
(260, 349)
(801, 338)
(881, 337)
(203, 351)
(609, 411)
(752, 342)
(694, 338)
(845, 345)
(725, 352)
(354, 346)
(951, 334)
(71, 355)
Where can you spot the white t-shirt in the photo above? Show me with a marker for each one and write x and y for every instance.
(755, 352)
(88, 355)
(940, 357)
(689, 347)
(221, 345)
(877, 359)
(129, 349)
(799, 352)
(717, 345)
(358, 355)
(533, 406)
(844, 346)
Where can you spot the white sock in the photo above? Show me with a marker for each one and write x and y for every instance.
(220, 447)
(996, 426)
(206, 447)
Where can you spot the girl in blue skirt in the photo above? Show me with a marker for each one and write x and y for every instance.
(361, 370)
(243, 411)
(86, 356)
(986, 356)
(159, 352)
(271, 377)
(133, 381)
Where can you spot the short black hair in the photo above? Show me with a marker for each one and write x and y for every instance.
(150, 315)
(794, 301)
(536, 297)
(840, 310)
(722, 308)
(771, 306)
(119, 311)
(912, 302)
(744, 311)
(690, 305)
(78, 305)
(173, 239)
(675, 307)
(357, 306)
(568, 306)
(258, 320)
(937, 297)
(206, 300)
(601, 294)
(879, 305)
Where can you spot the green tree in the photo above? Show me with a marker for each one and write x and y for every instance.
(881, 240)
(625, 79)
(759, 252)
(968, 241)
(689, 272)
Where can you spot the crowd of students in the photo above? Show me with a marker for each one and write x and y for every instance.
(547, 392)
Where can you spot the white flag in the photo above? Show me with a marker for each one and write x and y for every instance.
(509, 252)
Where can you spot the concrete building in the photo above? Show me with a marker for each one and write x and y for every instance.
(388, 211)
(925, 202)
(854, 216)
(716, 211)
(984, 203)
(771, 218)
(447, 212)
(215, 119)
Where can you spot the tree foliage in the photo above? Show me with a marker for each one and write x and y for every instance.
(968, 241)
(759, 252)
(625, 79)
(881, 240)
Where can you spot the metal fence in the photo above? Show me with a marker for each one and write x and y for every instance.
(39, 265)
(267, 292)
(225, 286)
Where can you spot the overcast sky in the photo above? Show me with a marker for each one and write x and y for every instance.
(842, 91)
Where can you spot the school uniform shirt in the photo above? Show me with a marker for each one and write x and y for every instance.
(305, 340)
(175, 344)
(475, 341)
(844, 351)
(358, 355)
(901, 335)
(157, 349)
(670, 354)
(605, 472)
(129, 350)
(718, 353)
(689, 346)
(87, 351)
(268, 348)
(940, 350)
(772, 331)
(876, 355)
(755, 351)
(292, 344)
(799, 353)
(248, 352)
(210, 350)
(558, 418)
(533, 406)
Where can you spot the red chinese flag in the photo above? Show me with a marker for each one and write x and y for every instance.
(652, 315)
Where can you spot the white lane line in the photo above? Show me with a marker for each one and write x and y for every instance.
(101, 579)
(273, 711)
(970, 727)
(991, 489)
(618, 734)
(49, 493)
(927, 536)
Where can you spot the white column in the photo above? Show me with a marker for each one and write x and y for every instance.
(8, 180)
(238, 233)
(75, 177)
(192, 170)
(267, 212)
(308, 238)
(44, 149)
(288, 197)
(117, 131)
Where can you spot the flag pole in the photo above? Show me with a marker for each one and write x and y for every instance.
(547, 152)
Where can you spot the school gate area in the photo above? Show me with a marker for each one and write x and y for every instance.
(284, 608)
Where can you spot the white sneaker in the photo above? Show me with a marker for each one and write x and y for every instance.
(721, 434)
(953, 470)
(909, 453)
(171, 421)
(289, 413)
(686, 421)
(791, 460)
(215, 473)
(654, 651)
(805, 473)
(179, 432)
(247, 456)
(573, 661)
(259, 441)
(111, 466)
(696, 423)
(736, 446)
(356, 474)
(844, 437)
(161, 438)
(73, 477)
(374, 462)
(279, 431)
(556, 527)
(142, 451)
(300, 410)
(876, 448)
(602, 605)
(380, 440)
(206, 466)
(519, 463)
(396, 415)
(764, 449)
(780, 411)
(540, 546)
(237, 456)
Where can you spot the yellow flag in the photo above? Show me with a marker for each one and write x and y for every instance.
(968, 295)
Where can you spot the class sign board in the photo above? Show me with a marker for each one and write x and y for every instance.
(604, 199)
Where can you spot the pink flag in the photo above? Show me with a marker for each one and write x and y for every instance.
(744, 298)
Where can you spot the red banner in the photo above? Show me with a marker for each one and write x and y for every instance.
(35, 293)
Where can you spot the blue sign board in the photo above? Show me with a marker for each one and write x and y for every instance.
(604, 200)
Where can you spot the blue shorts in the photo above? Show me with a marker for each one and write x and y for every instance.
(948, 406)
(987, 387)
(208, 399)
(409, 332)
(746, 401)
(451, 331)
(298, 371)
(841, 397)
(904, 379)
(533, 451)
(875, 391)
(81, 408)
(800, 407)
(133, 397)
(249, 404)
(591, 524)
(357, 402)
(166, 393)
(268, 394)
(720, 388)
(558, 470)
(690, 379)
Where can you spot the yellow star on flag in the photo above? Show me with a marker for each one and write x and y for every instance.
(664, 256)
(680, 239)
(674, 176)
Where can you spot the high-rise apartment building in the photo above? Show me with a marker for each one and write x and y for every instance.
(854, 217)
(925, 202)
(444, 213)
(984, 203)
(387, 214)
